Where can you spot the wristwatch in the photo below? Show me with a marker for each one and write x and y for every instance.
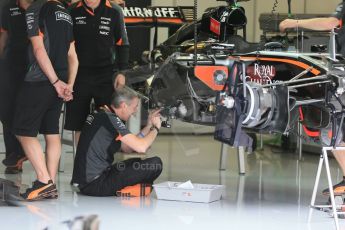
(154, 128)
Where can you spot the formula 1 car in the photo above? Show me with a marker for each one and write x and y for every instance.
(264, 94)
(217, 78)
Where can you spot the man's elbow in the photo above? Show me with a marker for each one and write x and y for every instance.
(73, 58)
(38, 52)
(76, 62)
(333, 23)
(141, 149)
(136, 144)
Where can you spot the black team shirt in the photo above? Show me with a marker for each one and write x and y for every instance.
(13, 22)
(99, 140)
(340, 14)
(51, 20)
(97, 33)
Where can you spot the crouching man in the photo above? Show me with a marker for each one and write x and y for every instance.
(104, 134)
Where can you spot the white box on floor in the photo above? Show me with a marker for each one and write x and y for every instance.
(203, 193)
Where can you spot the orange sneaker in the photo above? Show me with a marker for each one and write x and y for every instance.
(135, 190)
(40, 191)
(14, 164)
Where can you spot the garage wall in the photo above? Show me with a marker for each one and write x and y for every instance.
(255, 7)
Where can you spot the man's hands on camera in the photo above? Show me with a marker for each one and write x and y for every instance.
(153, 114)
(154, 119)
(156, 122)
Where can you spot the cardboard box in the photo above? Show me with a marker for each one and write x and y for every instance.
(204, 193)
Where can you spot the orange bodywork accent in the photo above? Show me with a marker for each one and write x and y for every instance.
(329, 134)
(297, 63)
(149, 20)
(310, 133)
(205, 74)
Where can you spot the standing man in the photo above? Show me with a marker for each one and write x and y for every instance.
(103, 49)
(53, 65)
(14, 37)
(336, 20)
(104, 134)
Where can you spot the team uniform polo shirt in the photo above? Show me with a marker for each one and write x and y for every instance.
(96, 33)
(13, 22)
(51, 20)
(99, 140)
(2, 4)
(339, 13)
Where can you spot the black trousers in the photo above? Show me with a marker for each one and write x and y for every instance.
(10, 81)
(123, 174)
(96, 85)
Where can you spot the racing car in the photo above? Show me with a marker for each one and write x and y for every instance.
(210, 75)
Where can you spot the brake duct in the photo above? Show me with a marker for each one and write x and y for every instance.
(253, 108)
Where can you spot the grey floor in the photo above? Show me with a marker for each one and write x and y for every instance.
(274, 193)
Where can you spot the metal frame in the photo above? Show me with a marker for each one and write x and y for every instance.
(64, 141)
(224, 156)
(241, 161)
(299, 140)
(62, 156)
(324, 162)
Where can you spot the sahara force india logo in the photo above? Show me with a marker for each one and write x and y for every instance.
(160, 12)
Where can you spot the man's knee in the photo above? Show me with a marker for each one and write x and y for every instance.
(156, 160)
(157, 163)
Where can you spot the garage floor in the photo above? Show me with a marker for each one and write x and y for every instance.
(274, 194)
